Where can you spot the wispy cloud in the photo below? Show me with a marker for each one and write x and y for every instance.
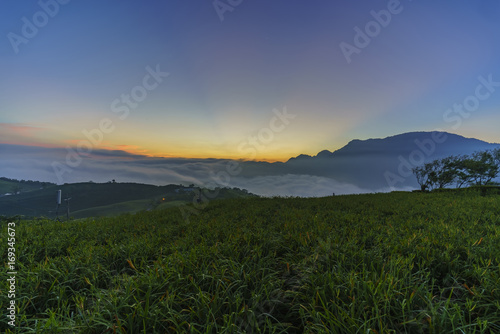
(297, 185)
(18, 161)
(21, 134)
(359, 167)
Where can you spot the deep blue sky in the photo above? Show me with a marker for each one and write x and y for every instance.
(226, 77)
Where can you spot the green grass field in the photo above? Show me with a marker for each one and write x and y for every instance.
(379, 263)
(112, 209)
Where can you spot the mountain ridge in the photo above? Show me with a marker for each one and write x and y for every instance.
(367, 163)
(393, 138)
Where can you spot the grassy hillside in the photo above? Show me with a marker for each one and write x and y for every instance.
(12, 186)
(380, 263)
(99, 199)
(7, 186)
(113, 209)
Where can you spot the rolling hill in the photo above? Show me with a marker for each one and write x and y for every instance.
(101, 199)
(9, 186)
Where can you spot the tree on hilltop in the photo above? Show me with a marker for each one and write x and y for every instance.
(482, 167)
(478, 169)
(422, 175)
(436, 174)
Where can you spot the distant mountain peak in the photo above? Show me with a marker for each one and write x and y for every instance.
(300, 157)
(367, 163)
(365, 156)
(324, 154)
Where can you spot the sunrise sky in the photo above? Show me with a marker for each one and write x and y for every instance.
(230, 67)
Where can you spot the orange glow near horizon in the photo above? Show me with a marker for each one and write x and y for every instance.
(207, 156)
(153, 152)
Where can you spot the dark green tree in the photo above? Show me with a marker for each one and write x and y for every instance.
(422, 175)
(483, 167)
(478, 169)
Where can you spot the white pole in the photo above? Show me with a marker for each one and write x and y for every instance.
(59, 196)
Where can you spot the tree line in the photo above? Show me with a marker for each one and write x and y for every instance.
(478, 169)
